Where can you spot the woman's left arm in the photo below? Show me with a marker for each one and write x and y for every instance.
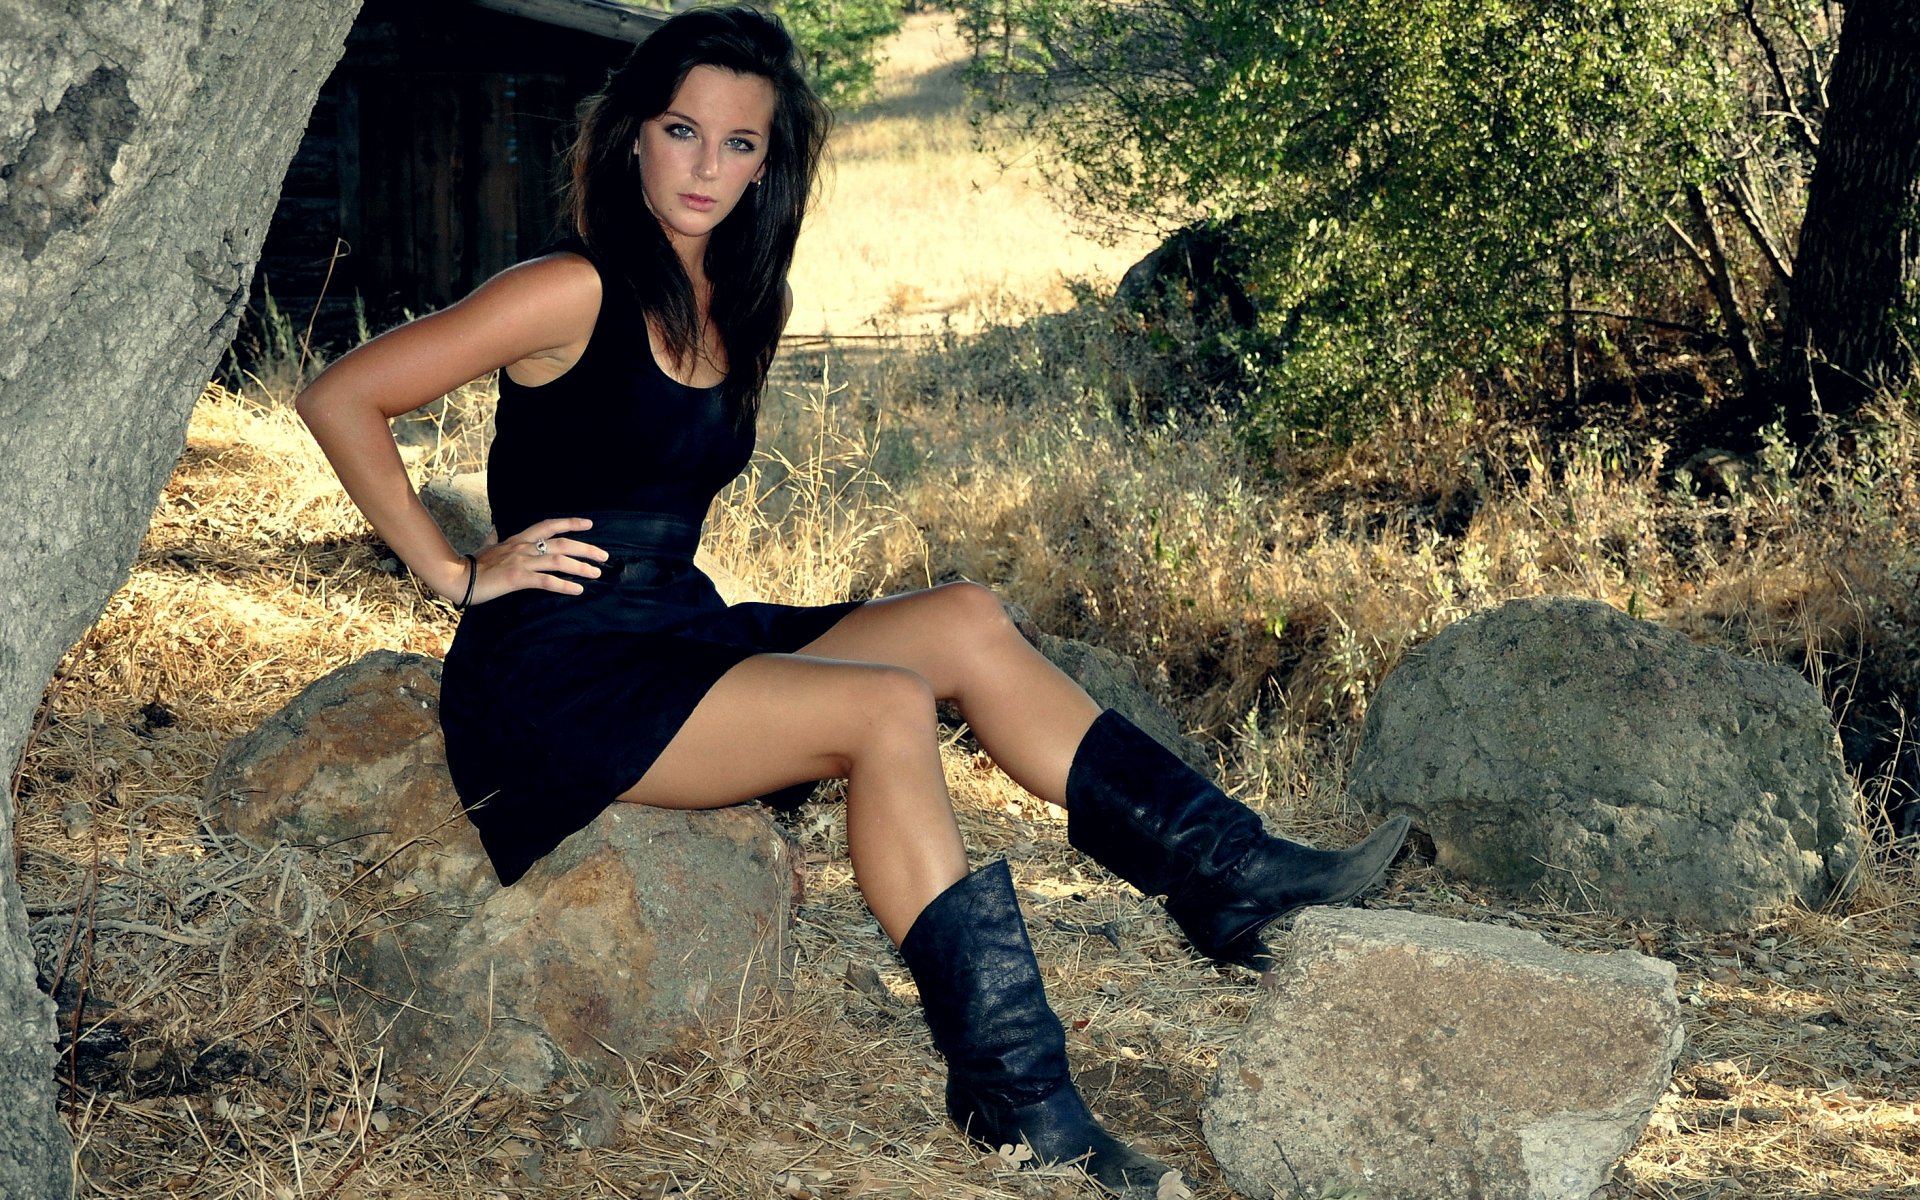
(533, 313)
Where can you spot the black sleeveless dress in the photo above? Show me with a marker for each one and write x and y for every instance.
(553, 705)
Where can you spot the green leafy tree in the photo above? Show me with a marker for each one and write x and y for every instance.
(840, 39)
(1433, 189)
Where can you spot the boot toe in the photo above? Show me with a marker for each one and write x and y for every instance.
(1059, 1128)
(1124, 1171)
(1364, 864)
(1224, 918)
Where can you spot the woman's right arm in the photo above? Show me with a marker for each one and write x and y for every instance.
(538, 316)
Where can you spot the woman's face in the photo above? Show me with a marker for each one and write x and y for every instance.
(698, 158)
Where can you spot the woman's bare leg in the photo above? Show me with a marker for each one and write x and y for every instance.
(779, 719)
(1027, 714)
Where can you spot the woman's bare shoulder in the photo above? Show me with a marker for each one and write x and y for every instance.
(564, 284)
(534, 319)
(536, 310)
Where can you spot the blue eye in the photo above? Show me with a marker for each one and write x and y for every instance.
(678, 130)
(741, 144)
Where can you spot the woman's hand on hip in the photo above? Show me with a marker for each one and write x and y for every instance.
(541, 556)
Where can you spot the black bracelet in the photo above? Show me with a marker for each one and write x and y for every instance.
(473, 574)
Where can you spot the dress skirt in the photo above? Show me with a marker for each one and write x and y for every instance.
(553, 705)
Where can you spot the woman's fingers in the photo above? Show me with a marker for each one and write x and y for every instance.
(519, 569)
(552, 582)
(540, 557)
(565, 551)
(555, 525)
(548, 539)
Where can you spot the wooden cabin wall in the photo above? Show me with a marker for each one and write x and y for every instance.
(429, 164)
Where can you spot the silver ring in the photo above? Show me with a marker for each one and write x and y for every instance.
(540, 547)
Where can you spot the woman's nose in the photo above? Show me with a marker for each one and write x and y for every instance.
(707, 166)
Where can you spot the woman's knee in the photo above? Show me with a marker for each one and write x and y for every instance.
(891, 710)
(900, 697)
(975, 612)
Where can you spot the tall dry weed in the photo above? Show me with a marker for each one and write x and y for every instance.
(1281, 597)
(1265, 608)
(809, 521)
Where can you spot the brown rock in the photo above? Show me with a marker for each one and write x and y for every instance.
(593, 1118)
(1415, 1057)
(356, 760)
(639, 933)
(642, 932)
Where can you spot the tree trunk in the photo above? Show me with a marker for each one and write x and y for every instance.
(1859, 255)
(1725, 292)
(141, 150)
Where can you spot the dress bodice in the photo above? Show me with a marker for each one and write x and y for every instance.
(614, 432)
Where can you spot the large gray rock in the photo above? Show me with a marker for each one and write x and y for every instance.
(1561, 746)
(1113, 682)
(642, 932)
(1414, 1057)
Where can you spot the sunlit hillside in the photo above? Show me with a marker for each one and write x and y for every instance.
(917, 228)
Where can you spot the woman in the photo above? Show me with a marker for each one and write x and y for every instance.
(594, 663)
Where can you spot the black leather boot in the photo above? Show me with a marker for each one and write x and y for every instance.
(1006, 1053)
(1140, 812)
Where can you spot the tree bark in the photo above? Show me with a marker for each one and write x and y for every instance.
(141, 150)
(1726, 292)
(1859, 256)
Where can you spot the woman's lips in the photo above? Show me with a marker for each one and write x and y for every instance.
(697, 202)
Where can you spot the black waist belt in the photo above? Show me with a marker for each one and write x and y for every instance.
(627, 535)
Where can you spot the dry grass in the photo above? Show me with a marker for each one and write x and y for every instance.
(212, 1062)
(918, 231)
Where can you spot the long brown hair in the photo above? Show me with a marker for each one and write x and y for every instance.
(749, 252)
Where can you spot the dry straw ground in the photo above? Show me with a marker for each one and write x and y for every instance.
(211, 1060)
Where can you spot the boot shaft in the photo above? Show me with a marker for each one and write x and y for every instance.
(1007, 1079)
(1142, 813)
(981, 989)
(1139, 810)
